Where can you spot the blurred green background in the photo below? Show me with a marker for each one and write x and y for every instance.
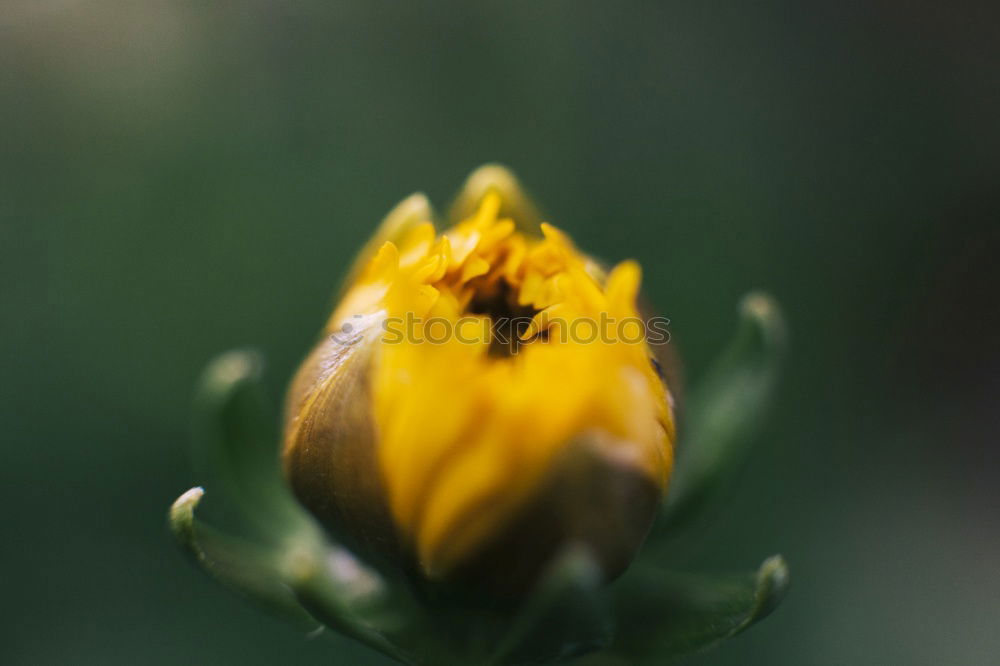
(180, 178)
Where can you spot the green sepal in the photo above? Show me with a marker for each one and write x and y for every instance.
(726, 410)
(244, 567)
(236, 442)
(344, 595)
(666, 614)
(288, 564)
(276, 554)
(568, 614)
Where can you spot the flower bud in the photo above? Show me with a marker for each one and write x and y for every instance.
(482, 398)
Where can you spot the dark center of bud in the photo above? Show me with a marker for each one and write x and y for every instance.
(508, 319)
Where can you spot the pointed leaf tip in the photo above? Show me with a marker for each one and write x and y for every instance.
(772, 584)
(182, 516)
(249, 569)
(760, 310)
(665, 614)
(230, 369)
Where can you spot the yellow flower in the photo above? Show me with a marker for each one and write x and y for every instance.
(482, 397)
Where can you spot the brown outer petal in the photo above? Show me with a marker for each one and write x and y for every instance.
(588, 497)
(329, 454)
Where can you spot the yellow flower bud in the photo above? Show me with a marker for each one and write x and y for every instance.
(481, 398)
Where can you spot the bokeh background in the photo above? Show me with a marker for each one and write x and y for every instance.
(180, 178)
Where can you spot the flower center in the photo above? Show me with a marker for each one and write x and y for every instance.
(509, 320)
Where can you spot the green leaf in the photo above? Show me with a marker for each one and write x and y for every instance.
(349, 598)
(568, 614)
(237, 446)
(727, 409)
(242, 566)
(664, 614)
(310, 583)
(281, 559)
